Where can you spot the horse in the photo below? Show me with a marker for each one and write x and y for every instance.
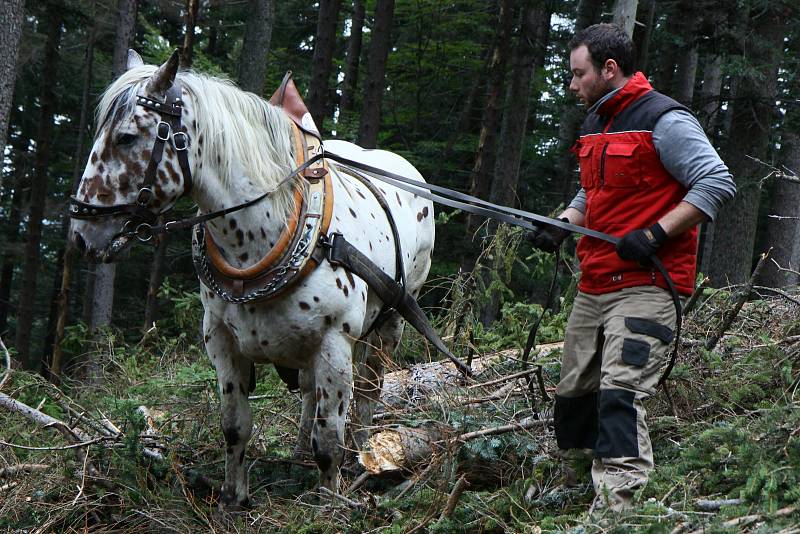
(163, 134)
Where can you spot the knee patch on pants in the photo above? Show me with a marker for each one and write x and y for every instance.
(617, 433)
(576, 421)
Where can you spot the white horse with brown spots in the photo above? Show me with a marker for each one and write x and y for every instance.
(240, 146)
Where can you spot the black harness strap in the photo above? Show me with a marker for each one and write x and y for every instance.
(342, 253)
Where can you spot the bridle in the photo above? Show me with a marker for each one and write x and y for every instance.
(140, 217)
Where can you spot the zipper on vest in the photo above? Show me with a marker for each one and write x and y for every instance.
(603, 165)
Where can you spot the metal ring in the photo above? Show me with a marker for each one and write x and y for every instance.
(144, 196)
(144, 232)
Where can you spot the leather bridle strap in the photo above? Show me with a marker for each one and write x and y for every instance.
(169, 129)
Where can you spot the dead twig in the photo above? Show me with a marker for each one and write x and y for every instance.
(349, 502)
(731, 315)
(695, 296)
(522, 425)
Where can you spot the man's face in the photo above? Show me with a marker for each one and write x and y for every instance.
(587, 83)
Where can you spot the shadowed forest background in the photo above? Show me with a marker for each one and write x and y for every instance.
(472, 92)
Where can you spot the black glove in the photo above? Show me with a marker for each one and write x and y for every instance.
(639, 245)
(547, 237)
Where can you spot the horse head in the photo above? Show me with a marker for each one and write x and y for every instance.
(139, 163)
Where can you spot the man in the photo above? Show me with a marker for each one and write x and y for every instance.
(648, 175)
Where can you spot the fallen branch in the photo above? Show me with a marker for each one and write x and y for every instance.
(525, 424)
(706, 505)
(695, 296)
(452, 499)
(731, 315)
(349, 502)
(12, 470)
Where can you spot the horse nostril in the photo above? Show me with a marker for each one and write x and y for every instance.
(79, 242)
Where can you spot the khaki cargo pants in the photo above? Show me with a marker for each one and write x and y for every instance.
(614, 349)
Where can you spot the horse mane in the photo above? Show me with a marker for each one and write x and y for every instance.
(241, 132)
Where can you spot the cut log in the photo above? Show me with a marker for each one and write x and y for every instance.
(424, 382)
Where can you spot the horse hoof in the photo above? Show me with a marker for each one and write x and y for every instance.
(228, 503)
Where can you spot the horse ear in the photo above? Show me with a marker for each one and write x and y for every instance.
(164, 77)
(134, 59)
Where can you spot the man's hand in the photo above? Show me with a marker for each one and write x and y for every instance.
(547, 237)
(639, 245)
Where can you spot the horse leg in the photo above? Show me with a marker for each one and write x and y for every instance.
(233, 378)
(368, 381)
(333, 376)
(306, 382)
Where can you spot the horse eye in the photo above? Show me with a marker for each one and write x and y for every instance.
(126, 139)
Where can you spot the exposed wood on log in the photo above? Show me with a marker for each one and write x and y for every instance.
(404, 448)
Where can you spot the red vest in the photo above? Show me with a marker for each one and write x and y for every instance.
(628, 188)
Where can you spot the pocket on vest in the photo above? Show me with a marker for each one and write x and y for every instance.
(622, 167)
(586, 165)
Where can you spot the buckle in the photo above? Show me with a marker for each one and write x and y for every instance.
(180, 135)
(144, 196)
(163, 136)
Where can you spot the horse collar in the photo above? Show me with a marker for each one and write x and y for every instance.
(294, 255)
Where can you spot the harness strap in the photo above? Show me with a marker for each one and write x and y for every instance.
(342, 253)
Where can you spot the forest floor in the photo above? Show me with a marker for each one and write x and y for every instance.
(726, 434)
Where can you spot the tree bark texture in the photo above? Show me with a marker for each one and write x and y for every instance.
(255, 46)
(190, 22)
(353, 58)
(625, 15)
(642, 35)
(10, 32)
(11, 256)
(62, 299)
(480, 179)
(380, 42)
(686, 71)
(784, 234)
(529, 56)
(156, 277)
(753, 113)
(124, 34)
(319, 88)
(572, 115)
(38, 191)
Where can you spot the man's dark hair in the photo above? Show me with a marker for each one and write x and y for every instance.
(604, 42)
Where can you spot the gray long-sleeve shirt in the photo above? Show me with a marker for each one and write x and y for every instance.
(689, 157)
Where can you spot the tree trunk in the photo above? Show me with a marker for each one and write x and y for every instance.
(642, 34)
(753, 114)
(44, 141)
(376, 69)
(784, 234)
(319, 88)
(156, 277)
(190, 21)
(625, 15)
(353, 57)
(572, 115)
(529, 55)
(125, 31)
(11, 256)
(686, 71)
(487, 140)
(255, 45)
(62, 299)
(10, 32)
